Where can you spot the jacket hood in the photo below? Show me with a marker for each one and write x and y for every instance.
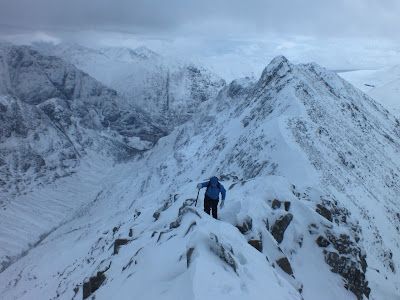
(213, 181)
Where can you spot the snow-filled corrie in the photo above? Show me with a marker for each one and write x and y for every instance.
(311, 169)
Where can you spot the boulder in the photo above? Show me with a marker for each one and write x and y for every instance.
(284, 264)
(323, 211)
(89, 287)
(256, 244)
(280, 226)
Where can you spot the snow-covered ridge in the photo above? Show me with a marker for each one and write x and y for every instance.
(310, 165)
(130, 55)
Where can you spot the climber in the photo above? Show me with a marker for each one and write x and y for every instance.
(211, 196)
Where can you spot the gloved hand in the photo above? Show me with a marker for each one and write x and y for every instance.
(222, 204)
(199, 186)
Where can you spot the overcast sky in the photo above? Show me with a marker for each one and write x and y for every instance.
(215, 28)
(208, 17)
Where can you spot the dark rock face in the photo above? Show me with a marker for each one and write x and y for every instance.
(354, 278)
(323, 211)
(93, 284)
(118, 243)
(349, 261)
(345, 256)
(343, 244)
(284, 264)
(322, 242)
(256, 244)
(280, 226)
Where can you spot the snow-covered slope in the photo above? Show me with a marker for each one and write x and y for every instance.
(311, 167)
(168, 89)
(383, 85)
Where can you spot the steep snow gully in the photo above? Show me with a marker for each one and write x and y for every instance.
(311, 166)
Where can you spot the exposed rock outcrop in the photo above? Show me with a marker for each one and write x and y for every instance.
(280, 226)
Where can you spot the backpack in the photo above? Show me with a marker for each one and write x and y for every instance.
(209, 184)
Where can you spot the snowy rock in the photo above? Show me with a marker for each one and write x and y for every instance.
(246, 226)
(323, 211)
(276, 204)
(280, 226)
(284, 264)
(322, 242)
(118, 243)
(93, 284)
(256, 244)
(354, 277)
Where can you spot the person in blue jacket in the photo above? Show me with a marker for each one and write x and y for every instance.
(211, 197)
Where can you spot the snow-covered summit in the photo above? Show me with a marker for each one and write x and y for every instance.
(279, 66)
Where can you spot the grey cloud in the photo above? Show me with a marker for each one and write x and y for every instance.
(208, 17)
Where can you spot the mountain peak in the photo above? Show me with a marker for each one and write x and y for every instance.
(128, 54)
(279, 66)
(145, 52)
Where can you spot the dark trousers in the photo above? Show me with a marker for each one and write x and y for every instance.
(211, 205)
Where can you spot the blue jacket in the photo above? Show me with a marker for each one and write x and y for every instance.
(214, 188)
